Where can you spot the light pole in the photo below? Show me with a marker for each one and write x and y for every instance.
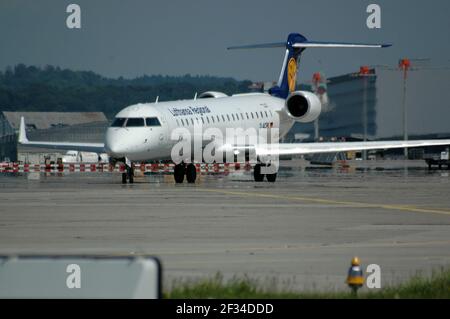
(404, 65)
(365, 73)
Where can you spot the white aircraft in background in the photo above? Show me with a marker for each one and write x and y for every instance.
(72, 156)
(142, 132)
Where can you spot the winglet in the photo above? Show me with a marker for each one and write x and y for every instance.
(22, 132)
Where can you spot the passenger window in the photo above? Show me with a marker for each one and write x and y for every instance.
(223, 118)
(257, 116)
(262, 115)
(242, 116)
(212, 118)
(207, 118)
(182, 122)
(252, 115)
(218, 119)
(192, 121)
(152, 121)
(135, 122)
(246, 113)
(232, 115)
(203, 120)
(228, 117)
(178, 123)
(118, 122)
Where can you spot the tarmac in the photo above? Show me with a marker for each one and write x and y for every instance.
(299, 233)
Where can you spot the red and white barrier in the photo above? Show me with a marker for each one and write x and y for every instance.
(91, 168)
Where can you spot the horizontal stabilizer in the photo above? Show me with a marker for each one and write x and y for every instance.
(303, 43)
(315, 44)
(259, 46)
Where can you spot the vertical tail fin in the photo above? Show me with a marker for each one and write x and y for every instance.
(22, 132)
(288, 75)
(295, 45)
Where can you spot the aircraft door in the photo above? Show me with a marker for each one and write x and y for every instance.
(164, 134)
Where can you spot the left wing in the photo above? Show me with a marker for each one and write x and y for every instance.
(74, 146)
(312, 148)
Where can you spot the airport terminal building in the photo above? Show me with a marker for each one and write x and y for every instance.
(380, 92)
(8, 141)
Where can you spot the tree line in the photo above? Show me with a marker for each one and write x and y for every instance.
(52, 89)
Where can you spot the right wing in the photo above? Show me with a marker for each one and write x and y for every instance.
(312, 148)
(74, 146)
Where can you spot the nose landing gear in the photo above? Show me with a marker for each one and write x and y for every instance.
(128, 175)
(180, 170)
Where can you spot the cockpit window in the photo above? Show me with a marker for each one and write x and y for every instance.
(152, 121)
(118, 122)
(135, 122)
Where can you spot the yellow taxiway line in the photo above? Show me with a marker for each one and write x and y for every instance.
(330, 201)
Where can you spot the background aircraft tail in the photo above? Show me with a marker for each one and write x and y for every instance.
(295, 45)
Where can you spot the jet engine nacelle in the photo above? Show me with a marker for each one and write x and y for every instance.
(303, 106)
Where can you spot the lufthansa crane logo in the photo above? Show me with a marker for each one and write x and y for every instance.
(292, 74)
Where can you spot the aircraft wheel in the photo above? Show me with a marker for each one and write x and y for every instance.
(191, 173)
(271, 177)
(257, 173)
(178, 173)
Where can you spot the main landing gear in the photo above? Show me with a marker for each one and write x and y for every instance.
(259, 176)
(189, 171)
(181, 170)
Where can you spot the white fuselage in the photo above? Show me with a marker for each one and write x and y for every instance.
(154, 142)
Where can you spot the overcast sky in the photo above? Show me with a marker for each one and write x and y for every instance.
(175, 37)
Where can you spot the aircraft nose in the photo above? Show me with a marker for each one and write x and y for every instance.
(114, 143)
(115, 149)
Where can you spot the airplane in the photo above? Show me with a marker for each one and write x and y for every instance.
(142, 132)
(84, 157)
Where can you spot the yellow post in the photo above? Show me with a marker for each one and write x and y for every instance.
(355, 277)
